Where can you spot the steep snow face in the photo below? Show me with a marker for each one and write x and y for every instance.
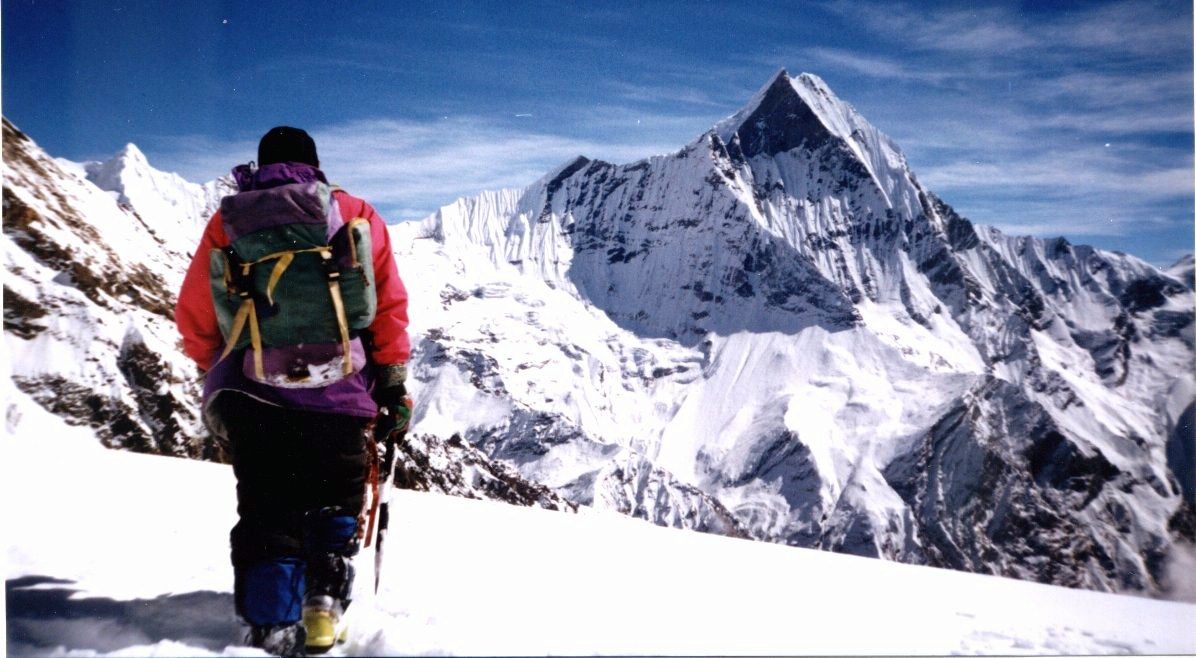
(172, 207)
(89, 296)
(521, 368)
(779, 316)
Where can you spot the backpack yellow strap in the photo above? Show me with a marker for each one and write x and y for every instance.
(246, 312)
(284, 261)
(255, 339)
(243, 313)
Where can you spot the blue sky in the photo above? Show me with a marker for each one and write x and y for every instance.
(1044, 118)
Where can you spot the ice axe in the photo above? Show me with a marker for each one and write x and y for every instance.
(388, 432)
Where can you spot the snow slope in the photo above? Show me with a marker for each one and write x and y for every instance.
(484, 578)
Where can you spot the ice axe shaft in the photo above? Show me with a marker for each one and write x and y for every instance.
(383, 522)
(379, 518)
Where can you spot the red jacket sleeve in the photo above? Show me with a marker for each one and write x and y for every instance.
(195, 314)
(391, 344)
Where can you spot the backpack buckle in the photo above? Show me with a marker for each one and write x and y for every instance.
(331, 272)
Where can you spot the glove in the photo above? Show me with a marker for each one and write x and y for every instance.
(395, 405)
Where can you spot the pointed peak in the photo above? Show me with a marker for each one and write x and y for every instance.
(1184, 269)
(130, 152)
(779, 85)
(778, 118)
(113, 174)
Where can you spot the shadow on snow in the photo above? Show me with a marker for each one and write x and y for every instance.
(44, 619)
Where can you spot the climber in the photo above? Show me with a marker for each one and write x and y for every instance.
(293, 309)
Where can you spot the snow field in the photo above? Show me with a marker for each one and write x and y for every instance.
(532, 582)
(485, 578)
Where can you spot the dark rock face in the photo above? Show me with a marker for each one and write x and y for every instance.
(1181, 453)
(1147, 293)
(782, 460)
(714, 254)
(154, 423)
(982, 503)
(22, 317)
(171, 419)
(455, 468)
(116, 423)
(1110, 350)
(1184, 271)
(529, 434)
(1174, 324)
(638, 489)
(782, 122)
(629, 484)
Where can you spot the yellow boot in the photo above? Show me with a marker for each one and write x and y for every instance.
(322, 619)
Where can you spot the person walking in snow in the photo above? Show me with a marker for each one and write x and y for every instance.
(293, 309)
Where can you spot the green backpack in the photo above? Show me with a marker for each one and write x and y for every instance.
(299, 278)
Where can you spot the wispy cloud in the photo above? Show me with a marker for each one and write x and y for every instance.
(664, 93)
(407, 168)
(1076, 174)
(1087, 190)
(415, 167)
(1134, 28)
(888, 68)
(970, 29)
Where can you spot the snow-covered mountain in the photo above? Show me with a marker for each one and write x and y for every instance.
(780, 317)
(774, 332)
(89, 294)
(157, 196)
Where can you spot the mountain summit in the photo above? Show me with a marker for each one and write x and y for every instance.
(778, 119)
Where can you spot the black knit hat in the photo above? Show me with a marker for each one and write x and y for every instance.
(287, 144)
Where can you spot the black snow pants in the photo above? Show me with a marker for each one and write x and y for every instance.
(301, 479)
